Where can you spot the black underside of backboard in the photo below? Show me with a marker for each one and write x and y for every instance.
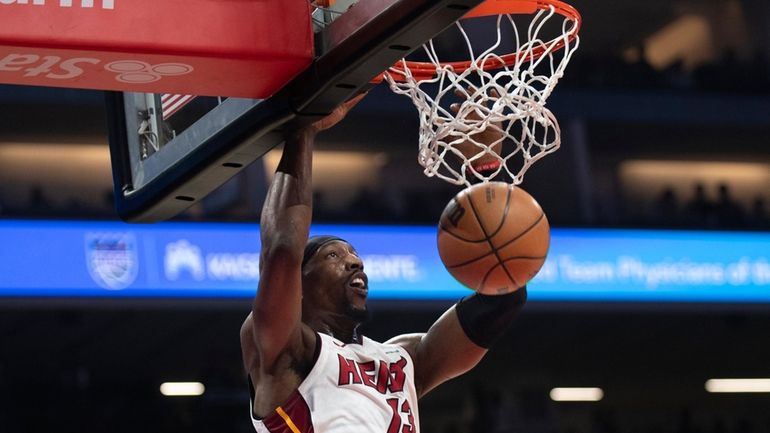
(353, 54)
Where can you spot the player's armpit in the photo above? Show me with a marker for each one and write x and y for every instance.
(443, 353)
(407, 341)
(460, 338)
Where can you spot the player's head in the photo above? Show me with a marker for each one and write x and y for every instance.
(333, 278)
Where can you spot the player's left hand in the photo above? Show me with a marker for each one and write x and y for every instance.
(337, 115)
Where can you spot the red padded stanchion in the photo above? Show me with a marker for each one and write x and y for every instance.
(246, 48)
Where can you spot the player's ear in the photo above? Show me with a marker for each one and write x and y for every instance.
(308, 268)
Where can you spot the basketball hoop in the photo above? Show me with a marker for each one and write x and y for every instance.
(486, 116)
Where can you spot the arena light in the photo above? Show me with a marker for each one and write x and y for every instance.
(688, 38)
(182, 389)
(362, 169)
(737, 385)
(577, 394)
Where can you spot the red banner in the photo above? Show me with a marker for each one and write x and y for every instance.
(243, 48)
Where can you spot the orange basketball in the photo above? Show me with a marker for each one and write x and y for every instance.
(493, 237)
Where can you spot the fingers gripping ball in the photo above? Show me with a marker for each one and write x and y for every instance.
(493, 237)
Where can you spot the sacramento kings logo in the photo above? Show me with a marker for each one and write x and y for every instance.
(112, 259)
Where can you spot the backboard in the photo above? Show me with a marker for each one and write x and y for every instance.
(171, 150)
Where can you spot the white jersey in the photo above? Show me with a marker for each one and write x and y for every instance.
(352, 388)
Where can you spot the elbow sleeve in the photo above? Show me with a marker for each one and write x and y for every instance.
(484, 318)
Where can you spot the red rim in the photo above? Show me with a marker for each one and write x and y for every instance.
(427, 70)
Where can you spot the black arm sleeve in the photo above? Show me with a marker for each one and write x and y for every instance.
(484, 318)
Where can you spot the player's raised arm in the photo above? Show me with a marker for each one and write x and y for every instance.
(285, 223)
(461, 337)
(284, 227)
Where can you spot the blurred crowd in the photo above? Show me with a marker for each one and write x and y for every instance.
(701, 212)
(423, 206)
(706, 208)
(39, 205)
(730, 73)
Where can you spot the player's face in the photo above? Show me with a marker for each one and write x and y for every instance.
(337, 273)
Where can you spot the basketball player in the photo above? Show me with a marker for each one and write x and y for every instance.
(309, 369)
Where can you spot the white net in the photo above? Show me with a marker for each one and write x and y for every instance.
(477, 124)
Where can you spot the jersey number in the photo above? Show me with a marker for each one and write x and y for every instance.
(396, 426)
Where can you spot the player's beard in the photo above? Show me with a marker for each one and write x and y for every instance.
(359, 315)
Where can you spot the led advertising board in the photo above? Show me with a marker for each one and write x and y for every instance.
(195, 260)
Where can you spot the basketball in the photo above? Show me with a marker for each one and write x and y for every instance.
(493, 237)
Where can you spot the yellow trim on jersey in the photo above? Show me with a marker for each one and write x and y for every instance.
(287, 419)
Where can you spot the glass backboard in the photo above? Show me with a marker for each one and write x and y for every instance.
(169, 151)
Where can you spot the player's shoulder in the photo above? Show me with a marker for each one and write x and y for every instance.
(409, 342)
(406, 339)
(304, 346)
